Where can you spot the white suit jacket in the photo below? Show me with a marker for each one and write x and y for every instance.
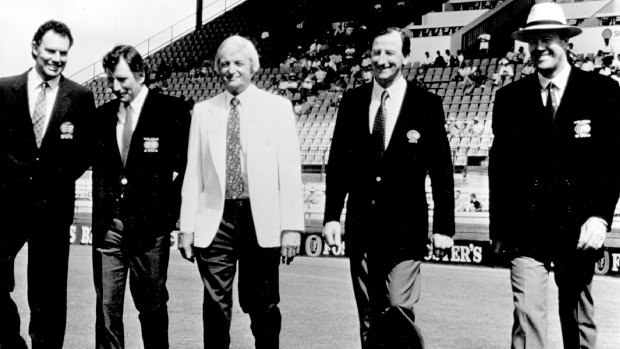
(273, 168)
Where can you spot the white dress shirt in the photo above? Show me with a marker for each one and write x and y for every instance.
(560, 81)
(396, 94)
(136, 106)
(34, 88)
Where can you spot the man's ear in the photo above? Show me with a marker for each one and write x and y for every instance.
(141, 77)
(35, 48)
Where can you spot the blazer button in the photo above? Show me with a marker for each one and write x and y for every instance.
(378, 179)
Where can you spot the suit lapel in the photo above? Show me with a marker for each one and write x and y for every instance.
(61, 105)
(149, 110)
(216, 131)
(112, 138)
(537, 113)
(401, 119)
(570, 96)
(25, 119)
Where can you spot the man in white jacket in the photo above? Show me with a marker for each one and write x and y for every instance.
(242, 197)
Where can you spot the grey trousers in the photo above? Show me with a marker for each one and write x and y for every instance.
(529, 279)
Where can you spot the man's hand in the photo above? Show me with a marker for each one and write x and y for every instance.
(290, 245)
(593, 234)
(441, 243)
(497, 247)
(186, 242)
(333, 234)
(499, 254)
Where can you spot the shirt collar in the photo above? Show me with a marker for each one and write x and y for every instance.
(243, 97)
(138, 102)
(560, 81)
(35, 80)
(396, 88)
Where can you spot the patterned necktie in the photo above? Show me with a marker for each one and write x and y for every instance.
(552, 100)
(38, 117)
(234, 178)
(127, 130)
(378, 129)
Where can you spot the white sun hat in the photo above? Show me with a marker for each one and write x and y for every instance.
(543, 17)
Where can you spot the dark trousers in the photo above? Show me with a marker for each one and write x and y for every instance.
(576, 305)
(259, 294)
(147, 270)
(48, 261)
(385, 302)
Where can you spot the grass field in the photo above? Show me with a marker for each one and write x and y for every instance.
(461, 307)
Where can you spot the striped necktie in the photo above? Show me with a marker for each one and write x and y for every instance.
(38, 116)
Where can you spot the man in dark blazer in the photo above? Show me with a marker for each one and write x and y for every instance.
(44, 147)
(554, 181)
(137, 175)
(389, 136)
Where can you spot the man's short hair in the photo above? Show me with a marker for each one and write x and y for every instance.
(403, 36)
(55, 26)
(129, 54)
(242, 44)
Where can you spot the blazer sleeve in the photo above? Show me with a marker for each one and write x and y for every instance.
(604, 185)
(440, 171)
(88, 115)
(338, 165)
(499, 167)
(192, 181)
(180, 134)
(289, 171)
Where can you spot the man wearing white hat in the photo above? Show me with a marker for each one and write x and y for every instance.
(554, 181)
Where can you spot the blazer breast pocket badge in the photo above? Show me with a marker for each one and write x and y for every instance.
(582, 129)
(66, 130)
(413, 136)
(151, 144)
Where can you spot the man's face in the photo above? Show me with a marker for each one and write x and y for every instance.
(124, 83)
(548, 52)
(235, 69)
(387, 58)
(50, 55)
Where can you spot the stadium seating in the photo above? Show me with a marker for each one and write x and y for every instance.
(316, 123)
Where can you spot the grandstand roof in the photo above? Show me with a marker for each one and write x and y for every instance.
(451, 18)
(580, 10)
(612, 9)
(463, 1)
